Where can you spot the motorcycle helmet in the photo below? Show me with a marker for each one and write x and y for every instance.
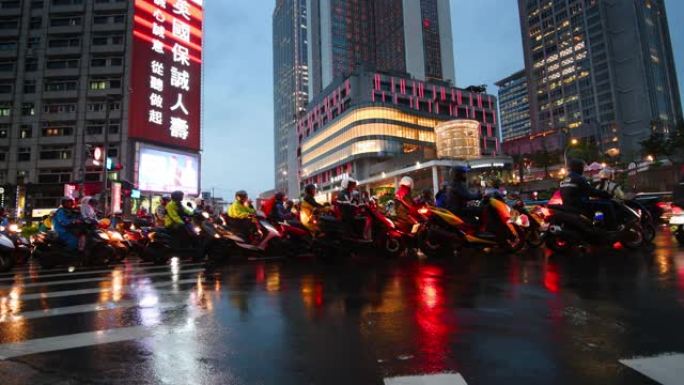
(346, 182)
(310, 189)
(166, 198)
(407, 181)
(67, 201)
(459, 173)
(177, 196)
(241, 194)
(576, 166)
(279, 197)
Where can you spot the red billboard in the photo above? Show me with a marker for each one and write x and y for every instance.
(165, 99)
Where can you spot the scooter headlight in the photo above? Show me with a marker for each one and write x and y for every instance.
(103, 236)
(197, 230)
(14, 228)
(205, 215)
(423, 210)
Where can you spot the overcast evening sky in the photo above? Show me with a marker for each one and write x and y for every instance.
(238, 78)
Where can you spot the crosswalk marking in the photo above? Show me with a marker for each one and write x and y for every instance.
(136, 269)
(88, 308)
(427, 379)
(50, 344)
(96, 279)
(666, 369)
(34, 267)
(71, 293)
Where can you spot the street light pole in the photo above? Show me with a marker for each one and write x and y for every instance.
(573, 142)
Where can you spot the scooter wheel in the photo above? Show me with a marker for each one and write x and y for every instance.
(394, 247)
(434, 249)
(6, 262)
(680, 236)
(535, 239)
(634, 238)
(649, 232)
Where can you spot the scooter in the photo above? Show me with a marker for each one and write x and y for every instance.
(50, 251)
(22, 246)
(7, 253)
(264, 237)
(569, 228)
(498, 227)
(196, 243)
(648, 223)
(677, 223)
(535, 228)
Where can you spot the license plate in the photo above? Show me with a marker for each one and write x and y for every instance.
(415, 228)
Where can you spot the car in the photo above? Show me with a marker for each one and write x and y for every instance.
(658, 203)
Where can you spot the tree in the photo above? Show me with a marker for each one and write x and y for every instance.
(519, 164)
(656, 145)
(545, 159)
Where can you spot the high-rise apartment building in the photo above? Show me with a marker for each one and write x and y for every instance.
(601, 70)
(120, 76)
(290, 88)
(394, 36)
(514, 107)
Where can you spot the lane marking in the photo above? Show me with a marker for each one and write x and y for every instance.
(71, 293)
(666, 369)
(81, 272)
(88, 308)
(97, 279)
(428, 379)
(50, 344)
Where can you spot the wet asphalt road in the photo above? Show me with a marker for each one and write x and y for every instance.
(526, 319)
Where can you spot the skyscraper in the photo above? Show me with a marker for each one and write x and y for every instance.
(514, 106)
(401, 36)
(122, 77)
(601, 70)
(290, 88)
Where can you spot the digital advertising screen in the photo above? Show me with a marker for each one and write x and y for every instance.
(164, 171)
(165, 102)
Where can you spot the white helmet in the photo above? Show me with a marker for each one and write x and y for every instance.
(346, 181)
(605, 173)
(407, 181)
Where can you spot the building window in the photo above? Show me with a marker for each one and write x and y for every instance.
(62, 64)
(4, 129)
(8, 45)
(5, 109)
(29, 86)
(24, 154)
(55, 152)
(37, 4)
(25, 131)
(64, 42)
(28, 109)
(58, 129)
(55, 176)
(5, 88)
(65, 85)
(31, 65)
(59, 108)
(104, 84)
(10, 4)
(65, 21)
(33, 42)
(36, 21)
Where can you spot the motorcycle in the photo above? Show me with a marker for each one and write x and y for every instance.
(499, 227)
(262, 237)
(568, 227)
(22, 246)
(50, 251)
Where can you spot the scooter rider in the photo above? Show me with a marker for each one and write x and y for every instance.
(88, 211)
(278, 212)
(608, 185)
(63, 220)
(176, 214)
(240, 213)
(348, 206)
(576, 193)
(309, 208)
(458, 195)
